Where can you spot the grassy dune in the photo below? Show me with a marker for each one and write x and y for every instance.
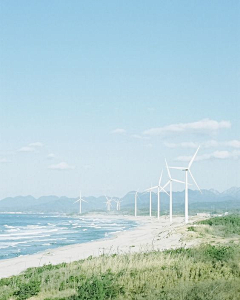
(202, 273)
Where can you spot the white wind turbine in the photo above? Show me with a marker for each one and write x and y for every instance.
(187, 170)
(170, 181)
(136, 197)
(135, 200)
(150, 201)
(159, 188)
(118, 202)
(80, 200)
(108, 203)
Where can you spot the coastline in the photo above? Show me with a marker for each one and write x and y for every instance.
(150, 234)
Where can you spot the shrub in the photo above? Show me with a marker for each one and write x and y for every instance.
(191, 228)
(226, 225)
(26, 290)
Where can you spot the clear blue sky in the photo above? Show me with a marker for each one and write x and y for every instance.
(95, 94)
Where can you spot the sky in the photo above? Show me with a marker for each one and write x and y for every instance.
(94, 95)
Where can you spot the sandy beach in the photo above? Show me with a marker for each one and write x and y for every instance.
(151, 234)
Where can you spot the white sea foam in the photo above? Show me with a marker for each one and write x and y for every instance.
(7, 226)
(24, 234)
(3, 246)
(21, 238)
(13, 230)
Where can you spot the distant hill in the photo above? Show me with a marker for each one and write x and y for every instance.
(209, 201)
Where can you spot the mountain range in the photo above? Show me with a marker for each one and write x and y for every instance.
(207, 201)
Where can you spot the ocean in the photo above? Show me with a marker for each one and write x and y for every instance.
(22, 234)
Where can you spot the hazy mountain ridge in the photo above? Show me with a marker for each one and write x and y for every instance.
(208, 200)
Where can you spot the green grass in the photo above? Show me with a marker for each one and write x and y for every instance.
(224, 226)
(175, 274)
(207, 272)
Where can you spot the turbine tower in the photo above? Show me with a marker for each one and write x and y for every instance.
(135, 199)
(187, 170)
(159, 189)
(150, 199)
(150, 202)
(80, 200)
(170, 181)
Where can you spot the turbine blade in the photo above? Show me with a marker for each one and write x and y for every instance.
(191, 161)
(178, 168)
(194, 180)
(160, 179)
(76, 201)
(84, 200)
(169, 175)
(152, 188)
(166, 184)
(176, 180)
(162, 189)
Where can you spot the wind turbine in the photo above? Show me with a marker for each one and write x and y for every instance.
(135, 200)
(159, 188)
(150, 202)
(118, 201)
(108, 203)
(80, 200)
(150, 199)
(187, 170)
(170, 181)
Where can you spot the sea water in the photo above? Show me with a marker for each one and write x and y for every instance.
(22, 234)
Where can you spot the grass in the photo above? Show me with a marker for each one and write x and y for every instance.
(224, 226)
(207, 272)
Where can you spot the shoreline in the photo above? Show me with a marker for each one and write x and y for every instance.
(150, 234)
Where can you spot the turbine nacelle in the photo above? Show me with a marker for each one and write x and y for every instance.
(187, 169)
(108, 203)
(159, 187)
(80, 200)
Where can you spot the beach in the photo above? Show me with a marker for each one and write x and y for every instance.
(151, 234)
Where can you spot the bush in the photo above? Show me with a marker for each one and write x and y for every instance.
(191, 228)
(26, 290)
(226, 225)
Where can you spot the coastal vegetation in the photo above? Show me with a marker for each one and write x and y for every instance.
(206, 272)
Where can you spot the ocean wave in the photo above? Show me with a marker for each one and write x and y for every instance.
(9, 238)
(7, 226)
(39, 232)
(27, 233)
(13, 230)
